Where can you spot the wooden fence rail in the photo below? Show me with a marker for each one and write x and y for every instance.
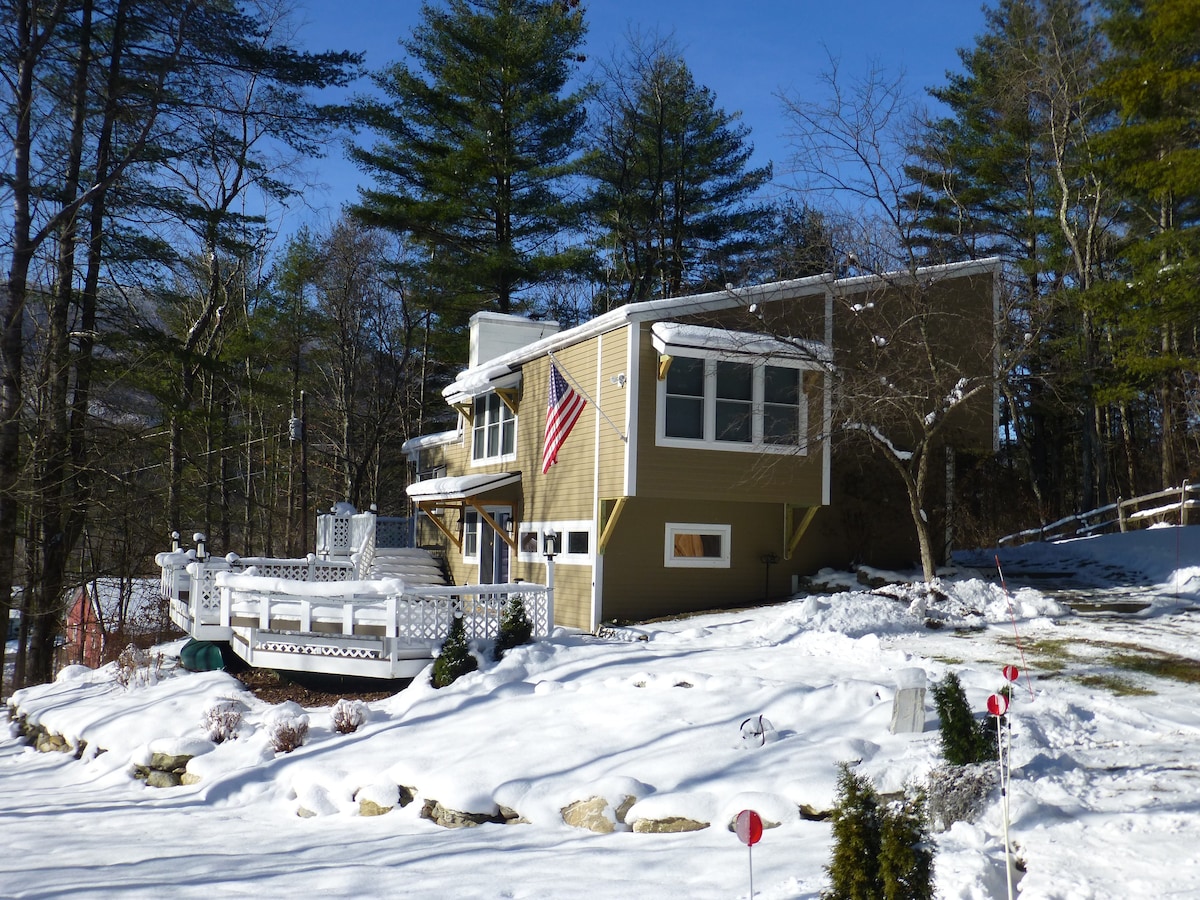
(1170, 506)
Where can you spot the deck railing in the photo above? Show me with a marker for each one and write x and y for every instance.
(1171, 505)
(210, 597)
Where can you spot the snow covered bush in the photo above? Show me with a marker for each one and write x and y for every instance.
(347, 715)
(222, 720)
(454, 659)
(287, 728)
(881, 851)
(957, 793)
(964, 739)
(515, 629)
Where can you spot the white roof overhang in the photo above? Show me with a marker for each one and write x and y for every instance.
(459, 487)
(673, 337)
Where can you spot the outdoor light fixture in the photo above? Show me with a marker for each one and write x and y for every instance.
(550, 542)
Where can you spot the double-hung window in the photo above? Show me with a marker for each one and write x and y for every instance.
(493, 430)
(733, 404)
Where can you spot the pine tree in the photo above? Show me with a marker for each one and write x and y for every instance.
(673, 189)
(964, 739)
(1152, 157)
(477, 145)
(454, 659)
(515, 628)
(854, 867)
(905, 850)
(879, 852)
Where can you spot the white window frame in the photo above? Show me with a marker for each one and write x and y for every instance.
(756, 444)
(561, 527)
(671, 561)
(471, 534)
(507, 421)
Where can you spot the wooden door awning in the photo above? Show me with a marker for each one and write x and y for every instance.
(436, 496)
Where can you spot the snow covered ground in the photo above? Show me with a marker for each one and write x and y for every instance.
(1105, 798)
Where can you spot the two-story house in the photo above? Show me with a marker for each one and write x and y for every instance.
(697, 471)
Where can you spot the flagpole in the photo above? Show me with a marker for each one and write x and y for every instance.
(586, 396)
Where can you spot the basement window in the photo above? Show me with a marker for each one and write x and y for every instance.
(690, 545)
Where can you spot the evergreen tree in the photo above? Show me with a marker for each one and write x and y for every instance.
(965, 740)
(854, 867)
(673, 189)
(1152, 157)
(515, 628)
(454, 659)
(880, 851)
(905, 850)
(476, 148)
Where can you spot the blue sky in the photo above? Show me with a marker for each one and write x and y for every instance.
(747, 52)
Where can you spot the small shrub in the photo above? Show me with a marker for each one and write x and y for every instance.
(515, 628)
(905, 850)
(222, 720)
(288, 728)
(454, 659)
(957, 793)
(853, 869)
(347, 715)
(880, 852)
(965, 740)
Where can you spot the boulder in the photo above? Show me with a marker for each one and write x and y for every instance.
(454, 818)
(669, 825)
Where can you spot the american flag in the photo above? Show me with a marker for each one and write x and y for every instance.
(561, 414)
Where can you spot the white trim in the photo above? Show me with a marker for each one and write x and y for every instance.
(475, 529)
(633, 381)
(670, 560)
(592, 599)
(827, 412)
(756, 444)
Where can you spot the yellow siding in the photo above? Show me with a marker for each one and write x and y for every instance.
(688, 473)
(637, 585)
(567, 490)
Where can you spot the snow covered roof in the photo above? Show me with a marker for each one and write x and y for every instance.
(460, 487)
(413, 446)
(481, 378)
(670, 337)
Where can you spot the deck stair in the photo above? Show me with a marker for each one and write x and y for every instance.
(415, 565)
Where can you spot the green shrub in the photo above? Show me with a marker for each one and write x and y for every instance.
(905, 850)
(880, 852)
(965, 740)
(515, 628)
(454, 659)
(854, 867)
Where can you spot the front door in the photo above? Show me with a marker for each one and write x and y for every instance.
(493, 551)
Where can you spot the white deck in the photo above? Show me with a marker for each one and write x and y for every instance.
(312, 615)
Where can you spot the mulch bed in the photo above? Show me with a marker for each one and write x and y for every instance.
(309, 691)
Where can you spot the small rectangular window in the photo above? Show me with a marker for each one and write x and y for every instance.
(577, 542)
(697, 546)
(528, 542)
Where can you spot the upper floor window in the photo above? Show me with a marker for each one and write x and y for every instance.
(493, 430)
(733, 405)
